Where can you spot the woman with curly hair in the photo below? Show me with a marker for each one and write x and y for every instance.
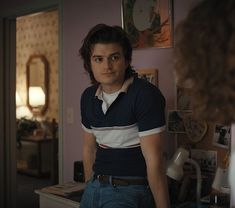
(205, 63)
(205, 59)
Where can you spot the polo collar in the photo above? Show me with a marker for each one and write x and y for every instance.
(124, 87)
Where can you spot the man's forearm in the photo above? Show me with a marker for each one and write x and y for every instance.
(88, 161)
(159, 187)
(152, 150)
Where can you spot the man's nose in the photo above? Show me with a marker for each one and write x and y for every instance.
(107, 63)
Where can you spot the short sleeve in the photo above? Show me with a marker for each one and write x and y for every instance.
(150, 110)
(84, 120)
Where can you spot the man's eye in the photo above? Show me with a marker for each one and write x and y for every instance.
(115, 58)
(98, 59)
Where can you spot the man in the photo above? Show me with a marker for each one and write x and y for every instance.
(122, 118)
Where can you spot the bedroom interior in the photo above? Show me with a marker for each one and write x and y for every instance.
(48, 125)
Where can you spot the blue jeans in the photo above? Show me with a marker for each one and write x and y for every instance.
(97, 195)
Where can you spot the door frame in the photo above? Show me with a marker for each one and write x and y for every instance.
(8, 187)
(7, 113)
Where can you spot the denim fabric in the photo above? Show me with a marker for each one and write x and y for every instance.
(97, 195)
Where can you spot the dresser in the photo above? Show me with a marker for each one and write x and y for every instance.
(37, 156)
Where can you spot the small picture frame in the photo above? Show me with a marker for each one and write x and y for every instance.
(148, 23)
(151, 75)
(222, 136)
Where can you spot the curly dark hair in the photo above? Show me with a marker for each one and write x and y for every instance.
(205, 59)
(102, 33)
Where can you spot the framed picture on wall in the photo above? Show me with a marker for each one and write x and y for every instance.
(222, 136)
(151, 75)
(148, 23)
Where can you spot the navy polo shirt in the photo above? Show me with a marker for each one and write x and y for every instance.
(138, 111)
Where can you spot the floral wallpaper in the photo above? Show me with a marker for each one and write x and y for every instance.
(37, 34)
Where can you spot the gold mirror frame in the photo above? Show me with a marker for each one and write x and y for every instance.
(37, 74)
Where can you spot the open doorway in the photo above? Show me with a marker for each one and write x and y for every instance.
(37, 105)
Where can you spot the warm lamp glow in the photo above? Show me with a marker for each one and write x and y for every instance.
(36, 96)
(23, 112)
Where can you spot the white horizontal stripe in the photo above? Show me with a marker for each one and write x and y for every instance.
(152, 131)
(132, 146)
(118, 136)
(113, 128)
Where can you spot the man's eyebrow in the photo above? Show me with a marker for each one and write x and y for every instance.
(116, 53)
(112, 54)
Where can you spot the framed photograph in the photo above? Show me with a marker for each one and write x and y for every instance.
(207, 159)
(151, 75)
(148, 23)
(222, 136)
(175, 121)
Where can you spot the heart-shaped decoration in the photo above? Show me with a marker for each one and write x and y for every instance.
(195, 129)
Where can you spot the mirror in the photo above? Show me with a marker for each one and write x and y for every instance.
(37, 84)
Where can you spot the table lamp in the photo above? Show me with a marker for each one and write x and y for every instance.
(175, 169)
(36, 96)
(22, 111)
(37, 100)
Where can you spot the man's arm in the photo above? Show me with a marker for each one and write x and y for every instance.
(152, 147)
(89, 152)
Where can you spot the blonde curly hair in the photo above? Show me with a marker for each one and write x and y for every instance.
(205, 59)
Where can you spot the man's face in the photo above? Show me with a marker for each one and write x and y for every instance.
(108, 65)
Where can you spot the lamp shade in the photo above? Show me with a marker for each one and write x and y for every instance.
(175, 167)
(220, 182)
(36, 96)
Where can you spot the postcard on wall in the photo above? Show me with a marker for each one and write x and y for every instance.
(148, 23)
(222, 136)
(207, 159)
